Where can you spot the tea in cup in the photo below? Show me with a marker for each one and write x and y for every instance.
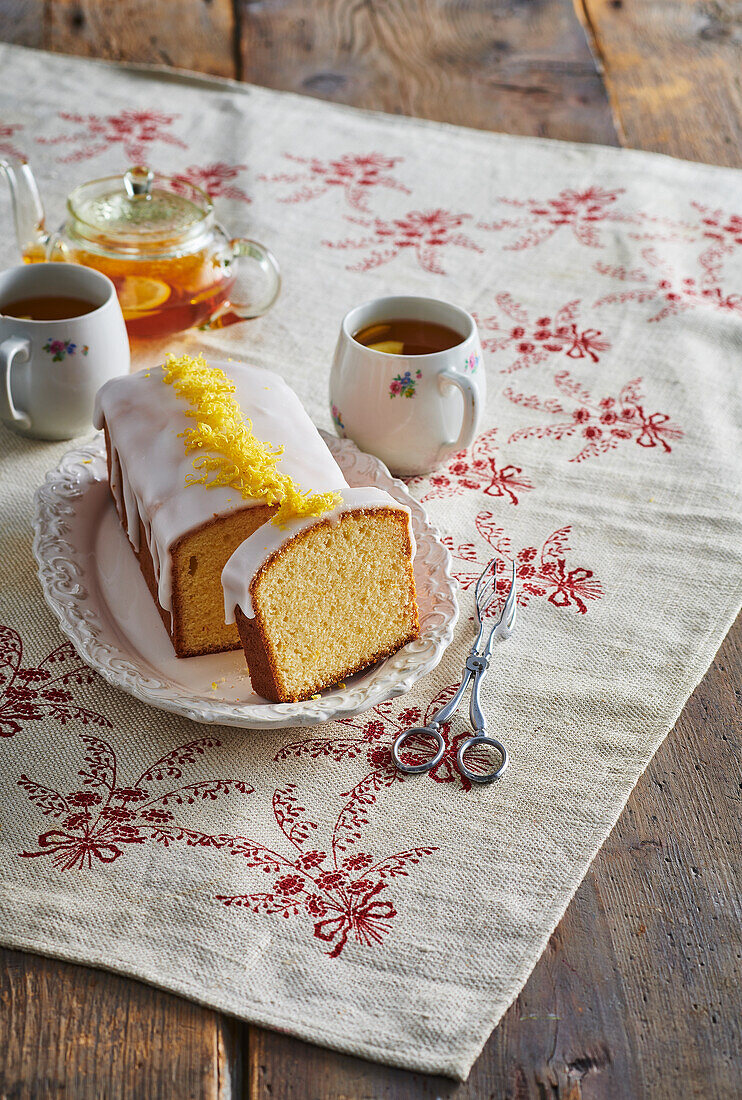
(408, 382)
(62, 335)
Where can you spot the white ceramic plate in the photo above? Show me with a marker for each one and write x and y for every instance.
(92, 583)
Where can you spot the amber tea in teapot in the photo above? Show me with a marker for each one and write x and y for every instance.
(164, 296)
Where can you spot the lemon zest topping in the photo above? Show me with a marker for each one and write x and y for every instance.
(236, 459)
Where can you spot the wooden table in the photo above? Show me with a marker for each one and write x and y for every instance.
(638, 993)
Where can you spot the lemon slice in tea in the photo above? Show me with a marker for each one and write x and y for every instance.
(372, 332)
(391, 347)
(140, 294)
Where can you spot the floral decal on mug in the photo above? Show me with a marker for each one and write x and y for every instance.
(60, 349)
(337, 419)
(471, 363)
(403, 385)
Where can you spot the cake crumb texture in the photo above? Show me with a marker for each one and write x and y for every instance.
(198, 597)
(333, 601)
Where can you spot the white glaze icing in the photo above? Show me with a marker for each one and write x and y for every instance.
(253, 553)
(145, 417)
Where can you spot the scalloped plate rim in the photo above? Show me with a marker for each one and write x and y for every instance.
(133, 679)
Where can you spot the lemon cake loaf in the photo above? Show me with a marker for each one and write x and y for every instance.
(193, 481)
(324, 596)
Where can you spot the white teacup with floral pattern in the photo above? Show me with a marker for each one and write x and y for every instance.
(411, 411)
(50, 370)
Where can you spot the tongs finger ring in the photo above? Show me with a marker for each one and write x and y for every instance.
(482, 777)
(419, 731)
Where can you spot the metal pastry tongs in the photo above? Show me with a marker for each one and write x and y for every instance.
(477, 664)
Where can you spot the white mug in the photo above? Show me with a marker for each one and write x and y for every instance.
(411, 411)
(50, 370)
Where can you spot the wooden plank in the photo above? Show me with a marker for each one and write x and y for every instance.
(638, 993)
(188, 34)
(672, 73)
(70, 1031)
(22, 22)
(281, 1068)
(582, 1027)
(524, 68)
(670, 881)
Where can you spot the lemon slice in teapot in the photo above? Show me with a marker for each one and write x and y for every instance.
(140, 294)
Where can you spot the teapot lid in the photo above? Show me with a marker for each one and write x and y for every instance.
(141, 208)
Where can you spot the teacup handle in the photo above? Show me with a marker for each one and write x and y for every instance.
(12, 349)
(472, 403)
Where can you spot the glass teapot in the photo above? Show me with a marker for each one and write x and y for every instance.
(156, 238)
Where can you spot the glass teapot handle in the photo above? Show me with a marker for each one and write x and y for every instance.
(257, 282)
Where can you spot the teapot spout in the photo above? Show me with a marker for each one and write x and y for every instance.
(28, 211)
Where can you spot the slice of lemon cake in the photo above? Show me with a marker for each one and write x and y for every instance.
(325, 596)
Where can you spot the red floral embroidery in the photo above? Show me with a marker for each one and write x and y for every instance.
(660, 283)
(426, 232)
(214, 179)
(42, 691)
(724, 231)
(581, 211)
(533, 342)
(477, 470)
(7, 131)
(542, 571)
(135, 131)
(327, 887)
(604, 424)
(98, 821)
(355, 173)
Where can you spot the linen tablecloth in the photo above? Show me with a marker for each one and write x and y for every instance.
(294, 878)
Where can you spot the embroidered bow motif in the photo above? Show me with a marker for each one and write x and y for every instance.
(77, 851)
(368, 920)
